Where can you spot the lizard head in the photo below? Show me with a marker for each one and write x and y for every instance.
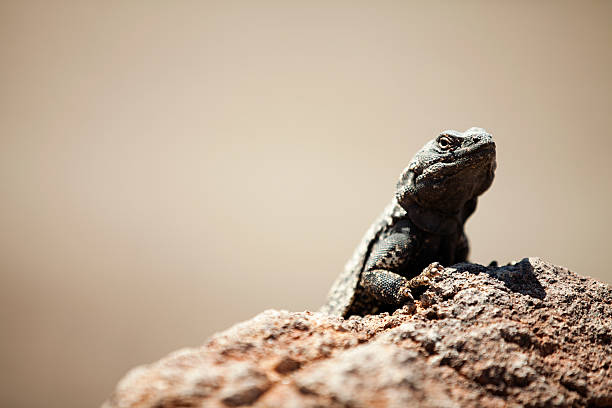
(449, 171)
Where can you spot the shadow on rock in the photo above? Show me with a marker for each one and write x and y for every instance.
(519, 277)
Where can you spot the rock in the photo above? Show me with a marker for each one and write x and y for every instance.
(526, 334)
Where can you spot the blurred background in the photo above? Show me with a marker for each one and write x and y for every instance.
(168, 169)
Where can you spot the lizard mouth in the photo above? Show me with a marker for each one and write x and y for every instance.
(458, 161)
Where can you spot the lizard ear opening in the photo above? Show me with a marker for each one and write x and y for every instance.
(405, 185)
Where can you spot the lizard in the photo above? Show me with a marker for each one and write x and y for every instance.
(421, 229)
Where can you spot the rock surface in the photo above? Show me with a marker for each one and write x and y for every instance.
(528, 334)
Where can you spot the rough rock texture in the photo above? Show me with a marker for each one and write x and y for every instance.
(529, 334)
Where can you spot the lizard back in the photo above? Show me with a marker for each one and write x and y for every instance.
(343, 292)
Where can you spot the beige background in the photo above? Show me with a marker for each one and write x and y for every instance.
(170, 168)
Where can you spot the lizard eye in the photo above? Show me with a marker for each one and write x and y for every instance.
(445, 142)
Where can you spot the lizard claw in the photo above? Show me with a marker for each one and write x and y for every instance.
(424, 278)
(433, 269)
(405, 295)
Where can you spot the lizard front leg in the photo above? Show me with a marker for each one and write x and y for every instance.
(378, 278)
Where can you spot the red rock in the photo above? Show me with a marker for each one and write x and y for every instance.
(528, 334)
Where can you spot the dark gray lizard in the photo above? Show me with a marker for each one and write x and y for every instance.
(421, 228)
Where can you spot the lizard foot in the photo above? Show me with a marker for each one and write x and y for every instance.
(424, 278)
(404, 296)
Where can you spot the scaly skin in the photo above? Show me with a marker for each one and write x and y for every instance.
(421, 228)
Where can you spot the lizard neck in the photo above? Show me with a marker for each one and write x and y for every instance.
(434, 221)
